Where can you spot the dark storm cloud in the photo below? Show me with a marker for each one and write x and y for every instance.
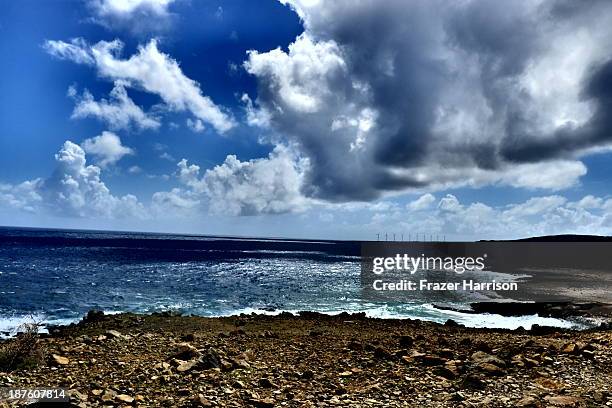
(397, 95)
(570, 140)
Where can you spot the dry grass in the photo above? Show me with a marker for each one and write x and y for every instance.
(22, 351)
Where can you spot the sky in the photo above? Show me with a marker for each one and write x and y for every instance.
(335, 119)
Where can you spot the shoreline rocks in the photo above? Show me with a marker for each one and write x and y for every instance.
(315, 360)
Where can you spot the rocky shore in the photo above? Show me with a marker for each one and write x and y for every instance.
(314, 360)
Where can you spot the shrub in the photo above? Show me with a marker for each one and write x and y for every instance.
(24, 350)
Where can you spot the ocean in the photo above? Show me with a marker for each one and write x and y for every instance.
(56, 276)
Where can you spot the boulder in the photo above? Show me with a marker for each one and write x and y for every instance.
(185, 351)
(480, 357)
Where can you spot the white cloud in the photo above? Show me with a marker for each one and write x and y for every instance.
(435, 97)
(118, 112)
(149, 70)
(543, 215)
(534, 206)
(107, 148)
(261, 186)
(195, 125)
(136, 15)
(167, 156)
(255, 117)
(128, 7)
(422, 203)
(135, 170)
(588, 202)
(74, 189)
(177, 202)
(258, 186)
(76, 50)
(449, 203)
(299, 76)
(24, 196)
(552, 175)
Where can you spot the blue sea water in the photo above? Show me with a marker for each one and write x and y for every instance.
(56, 276)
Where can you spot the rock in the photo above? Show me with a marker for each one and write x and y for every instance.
(538, 330)
(185, 351)
(490, 369)
(406, 341)
(432, 360)
(186, 366)
(547, 383)
(239, 364)
(444, 372)
(354, 345)
(599, 396)
(114, 334)
(94, 316)
(563, 400)
(60, 360)
(269, 335)
(530, 362)
(265, 382)
(457, 396)
(210, 359)
(482, 346)
(188, 337)
(201, 401)
(307, 375)
(451, 323)
(108, 396)
(226, 365)
(569, 348)
(79, 396)
(407, 359)
(162, 366)
(261, 403)
(527, 402)
(381, 353)
(588, 354)
(124, 398)
(472, 381)
(480, 357)
(345, 374)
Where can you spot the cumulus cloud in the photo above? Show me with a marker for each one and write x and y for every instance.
(261, 186)
(149, 70)
(422, 203)
(258, 186)
(436, 96)
(118, 112)
(24, 196)
(136, 15)
(107, 148)
(177, 201)
(74, 189)
(540, 215)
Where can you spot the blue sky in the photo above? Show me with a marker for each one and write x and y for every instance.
(303, 118)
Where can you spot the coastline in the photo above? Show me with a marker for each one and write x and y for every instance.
(317, 360)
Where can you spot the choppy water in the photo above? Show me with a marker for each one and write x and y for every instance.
(57, 276)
